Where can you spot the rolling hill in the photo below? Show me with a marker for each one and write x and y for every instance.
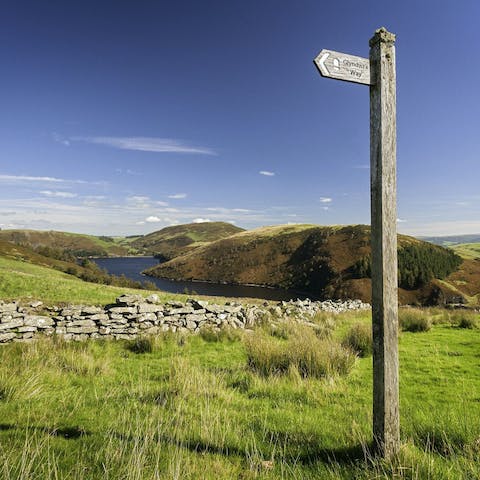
(170, 242)
(467, 250)
(327, 262)
(76, 244)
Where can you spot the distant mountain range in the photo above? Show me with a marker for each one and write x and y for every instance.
(453, 239)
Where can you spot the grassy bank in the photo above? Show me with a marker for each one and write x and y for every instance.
(198, 407)
(25, 281)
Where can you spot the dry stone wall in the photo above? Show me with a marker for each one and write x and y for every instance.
(133, 315)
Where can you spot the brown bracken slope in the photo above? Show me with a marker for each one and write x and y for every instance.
(321, 261)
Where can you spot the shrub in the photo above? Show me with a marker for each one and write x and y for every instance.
(359, 339)
(303, 350)
(414, 320)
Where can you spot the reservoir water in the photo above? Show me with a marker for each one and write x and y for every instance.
(132, 268)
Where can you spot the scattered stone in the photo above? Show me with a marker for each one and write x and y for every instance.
(154, 298)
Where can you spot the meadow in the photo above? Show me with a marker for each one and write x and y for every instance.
(242, 405)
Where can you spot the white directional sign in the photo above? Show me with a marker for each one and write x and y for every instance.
(343, 67)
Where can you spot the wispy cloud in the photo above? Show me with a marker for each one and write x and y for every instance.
(58, 194)
(60, 139)
(400, 220)
(14, 179)
(121, 171)
(201, 220)
(138, 201)
(266, 173)
(326, 200)
(178, 195)
(146, 144)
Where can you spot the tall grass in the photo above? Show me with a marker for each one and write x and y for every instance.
(196, 409)
(303, 350)
(414, 320)
(359, 339)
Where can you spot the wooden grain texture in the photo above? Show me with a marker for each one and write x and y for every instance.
(386, 421)
(342, 66)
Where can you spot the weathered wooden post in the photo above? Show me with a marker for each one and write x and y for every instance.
(383, 146)
(379, 73)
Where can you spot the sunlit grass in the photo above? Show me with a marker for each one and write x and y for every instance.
(192, 407)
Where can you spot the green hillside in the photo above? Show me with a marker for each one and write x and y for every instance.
(20, 280)
(467, 250)
(170, 242)
(76, 244)
(85, 269)
(328, 262)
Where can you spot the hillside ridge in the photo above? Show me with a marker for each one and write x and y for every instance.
(325, 261)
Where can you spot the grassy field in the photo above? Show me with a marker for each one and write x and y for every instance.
(25, 281)
(467, 250)
(196, 408)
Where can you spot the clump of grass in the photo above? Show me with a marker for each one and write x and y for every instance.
(212, 334)
(465, 320)
(303, 350)
(280, 330)
(145, 344)
(82, 362)
(14, 386)
(325, 324)
(414, 320)
(359, 339)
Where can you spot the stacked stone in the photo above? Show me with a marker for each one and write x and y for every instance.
(133, 315)
(16, 324)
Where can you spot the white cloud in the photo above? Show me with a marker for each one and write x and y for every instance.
(266, 173)
(153, 219)
(325, 200)
(201, 220)
(58, 194)
(400, 220)
(178, 195)
(146, 144)
(161, 204)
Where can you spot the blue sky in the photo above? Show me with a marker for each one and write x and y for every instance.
(123, 117)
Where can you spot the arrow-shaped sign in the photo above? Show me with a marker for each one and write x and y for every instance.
(343, 67)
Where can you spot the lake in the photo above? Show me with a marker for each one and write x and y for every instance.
(132, 267)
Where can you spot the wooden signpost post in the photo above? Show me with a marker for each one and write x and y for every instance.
(379, 73)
